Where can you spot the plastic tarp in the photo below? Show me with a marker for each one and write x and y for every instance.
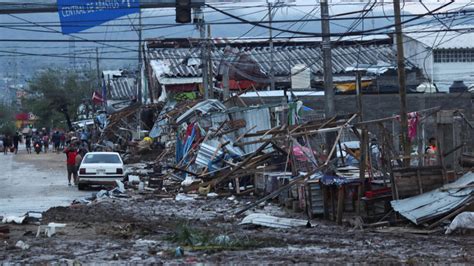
(464, 220)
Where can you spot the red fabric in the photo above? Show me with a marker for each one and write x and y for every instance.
(241, 84)
(413, 119)
(71, 157)
(97, 98)
(22, 116)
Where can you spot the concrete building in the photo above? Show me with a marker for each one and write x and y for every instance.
(443, 55)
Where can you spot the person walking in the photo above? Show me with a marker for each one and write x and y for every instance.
(28, 143)
(16, 141)
(62, 140)
(6, 144)
(56, 139)
(71, 154)
(46, 142)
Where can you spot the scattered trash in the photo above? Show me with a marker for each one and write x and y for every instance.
(50, 229)
(133, 179)
(183, 197)
(141, 186)
(22, 245)
(464, 220)
(120, 186)
(179, 252)
(272, 221)
(14, 219)
(222, 240)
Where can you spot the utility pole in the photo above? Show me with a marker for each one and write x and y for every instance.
(139, 79)
(97, 66)
(272, 72)
(327, 61)
(210, 69)
(199, 15)
(329, 107)
(72, 53)
(401, 82)
(359, 94)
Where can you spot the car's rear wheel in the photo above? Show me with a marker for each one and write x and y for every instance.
(81, 186)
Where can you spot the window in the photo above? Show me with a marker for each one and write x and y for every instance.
(454, 56)
(102, 158)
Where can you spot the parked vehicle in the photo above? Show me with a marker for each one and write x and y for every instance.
(100, 168)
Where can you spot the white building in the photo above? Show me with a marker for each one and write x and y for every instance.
(444, 56)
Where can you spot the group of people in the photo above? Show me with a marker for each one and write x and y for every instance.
(10, 143)
(58, 140)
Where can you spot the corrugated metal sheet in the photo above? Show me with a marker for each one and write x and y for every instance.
(258, 119)
(424, 207)
(284, 58)
(122, 88)
(272, 221)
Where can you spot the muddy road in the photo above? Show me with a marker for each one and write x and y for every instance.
(147, 229)
(155, 228)
(32, 182)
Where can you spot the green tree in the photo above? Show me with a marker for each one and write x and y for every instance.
(7, 124)
(56, 94)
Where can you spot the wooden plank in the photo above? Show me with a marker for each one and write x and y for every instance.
(277, 192)
(418, 178)
(340, 204)
(326, 193)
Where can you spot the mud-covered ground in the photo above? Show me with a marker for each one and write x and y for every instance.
(146, 229)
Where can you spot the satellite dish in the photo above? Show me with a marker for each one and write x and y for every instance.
(426, 87)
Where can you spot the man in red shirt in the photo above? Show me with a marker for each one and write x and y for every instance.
(71, 153)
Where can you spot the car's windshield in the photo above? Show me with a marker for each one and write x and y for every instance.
(102, 158)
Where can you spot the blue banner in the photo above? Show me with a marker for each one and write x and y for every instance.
(79, 15)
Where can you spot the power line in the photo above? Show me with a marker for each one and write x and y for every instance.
(320, 35)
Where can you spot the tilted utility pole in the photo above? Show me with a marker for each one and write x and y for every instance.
(401, 82)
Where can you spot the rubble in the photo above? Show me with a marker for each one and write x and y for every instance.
(208, 148)
(207, 167)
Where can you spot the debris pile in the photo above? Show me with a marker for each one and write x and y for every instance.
(341, 168)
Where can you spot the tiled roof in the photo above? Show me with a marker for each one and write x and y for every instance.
(185, 62)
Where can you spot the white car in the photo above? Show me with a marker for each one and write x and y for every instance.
(100, 168)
